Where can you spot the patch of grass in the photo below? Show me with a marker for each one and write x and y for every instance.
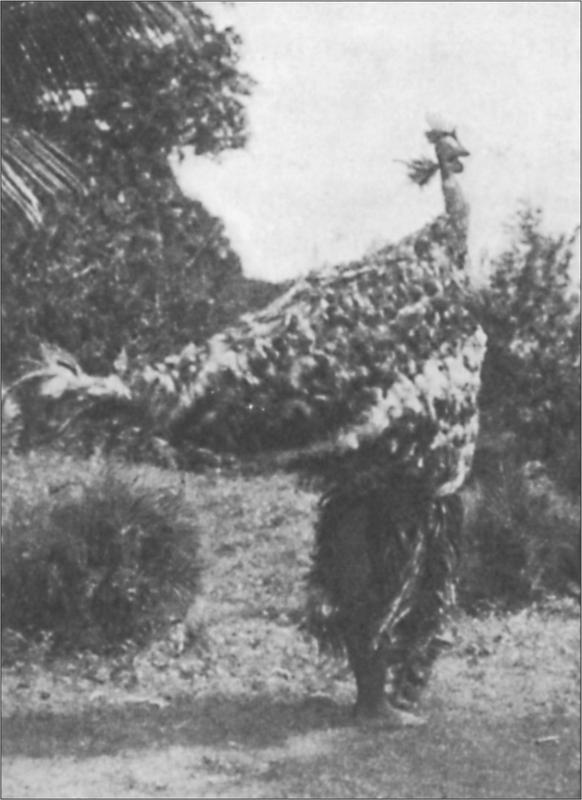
(503, 711)
(93, 555)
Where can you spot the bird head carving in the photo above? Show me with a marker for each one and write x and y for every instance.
(448, 148)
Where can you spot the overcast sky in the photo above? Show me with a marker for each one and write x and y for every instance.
(342, 93)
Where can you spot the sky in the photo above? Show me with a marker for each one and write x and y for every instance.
(342, 92)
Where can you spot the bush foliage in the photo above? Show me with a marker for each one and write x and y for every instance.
(524, 507)
(531, 373)
(95, 558)
(522, 532)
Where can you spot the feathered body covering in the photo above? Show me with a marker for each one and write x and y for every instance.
(372, 370)
(367, 364)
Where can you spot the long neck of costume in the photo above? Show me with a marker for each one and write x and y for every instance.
(457, 209)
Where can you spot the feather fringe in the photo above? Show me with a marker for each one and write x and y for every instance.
(413, 542)
(421, 170)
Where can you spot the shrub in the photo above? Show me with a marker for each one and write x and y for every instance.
(523, 524)
(531, 373)
(96, 559)
(522, 532)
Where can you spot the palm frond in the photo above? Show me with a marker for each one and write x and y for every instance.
(51, 48)
(32, 165)
(58, 373)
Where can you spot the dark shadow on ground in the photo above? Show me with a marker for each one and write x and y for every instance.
(256, 722)
(473, 756)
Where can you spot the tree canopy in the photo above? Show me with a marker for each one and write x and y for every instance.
(116, 86)
(74, 73)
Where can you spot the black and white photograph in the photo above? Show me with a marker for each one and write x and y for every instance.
(291, 401)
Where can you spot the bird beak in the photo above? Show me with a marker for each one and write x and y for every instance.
(457, 148)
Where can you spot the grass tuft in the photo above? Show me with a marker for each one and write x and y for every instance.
(94, 556)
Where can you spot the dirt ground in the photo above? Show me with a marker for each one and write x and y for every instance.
(503, 721)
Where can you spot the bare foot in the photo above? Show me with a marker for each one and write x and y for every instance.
(386, 716)
(401, 702)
